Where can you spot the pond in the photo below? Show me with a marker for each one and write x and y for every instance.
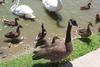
(54, 25)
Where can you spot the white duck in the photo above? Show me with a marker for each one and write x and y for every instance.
(52, 5)
(22, 10)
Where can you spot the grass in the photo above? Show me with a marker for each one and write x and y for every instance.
(80, 48)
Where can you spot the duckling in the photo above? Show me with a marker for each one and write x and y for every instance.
(87, 7)
(11, 22)
(60, 48)
(2, 1)
(84, 33)
(12, 34)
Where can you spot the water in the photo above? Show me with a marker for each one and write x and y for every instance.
(71, 9)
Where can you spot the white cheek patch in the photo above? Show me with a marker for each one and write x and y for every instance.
(70, 23)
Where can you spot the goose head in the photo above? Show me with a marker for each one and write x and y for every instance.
(73, 22)
(90, 24)
(20, 26)
(89, 4)
(54, 38)
(42, 26)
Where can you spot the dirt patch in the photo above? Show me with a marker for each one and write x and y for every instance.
(15, 50)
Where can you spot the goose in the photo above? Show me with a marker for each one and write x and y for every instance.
(12, 34)
(87, 7)
(40, 38)
(58, 48)
(84, 33)
(2, 1)
(52, 5)
(22, 11)
(11, 22)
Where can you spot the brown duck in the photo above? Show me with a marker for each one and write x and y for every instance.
(12, 34)
(87, 7)
(11, 22)
(84, 33)
(58, 48)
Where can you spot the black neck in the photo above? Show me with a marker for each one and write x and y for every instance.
(89, 5)
(68, 34)
(88, 28)
(18, 30)
(16, 23)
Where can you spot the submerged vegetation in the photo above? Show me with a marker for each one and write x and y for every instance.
(80, 48)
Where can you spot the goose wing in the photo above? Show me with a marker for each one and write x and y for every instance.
(11, 34)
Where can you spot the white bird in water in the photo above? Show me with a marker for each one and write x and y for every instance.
(52, 5)
(22, 10)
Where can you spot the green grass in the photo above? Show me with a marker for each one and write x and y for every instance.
(80, 48)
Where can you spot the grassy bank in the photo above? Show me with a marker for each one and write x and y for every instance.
(80, 48)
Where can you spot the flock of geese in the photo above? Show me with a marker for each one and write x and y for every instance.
(57, 49)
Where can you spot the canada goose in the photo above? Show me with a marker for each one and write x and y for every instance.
(84, 33)
(87, 7)
(12, 34)
(2, 1)
(11, 22)
(60, 48)
(40, 38)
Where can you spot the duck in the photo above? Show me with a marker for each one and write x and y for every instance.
(23, 11)
(52, 5)
(11, 22)
(84, 33)
(87, 7)
(2, 1)
(40, 39)
(97, 17)
(58, 48)
(13, 34)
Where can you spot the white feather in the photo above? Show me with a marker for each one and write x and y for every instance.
(52, 5)
(22, 10)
